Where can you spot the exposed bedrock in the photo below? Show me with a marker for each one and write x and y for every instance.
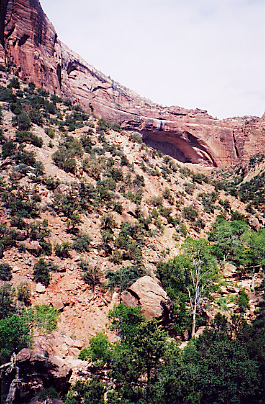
(30, 47)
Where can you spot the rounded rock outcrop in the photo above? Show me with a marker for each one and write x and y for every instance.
(152, 298)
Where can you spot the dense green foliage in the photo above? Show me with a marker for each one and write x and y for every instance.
(225, 365)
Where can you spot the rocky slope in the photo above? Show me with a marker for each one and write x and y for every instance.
(80, 194)
(30, 47)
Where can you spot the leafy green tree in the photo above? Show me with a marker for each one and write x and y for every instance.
(189, 277)
(138, 358)
(41, 317)
(201, 271)
(98, 352)
(91, 392)
(252, 258)
(15, 335)
(227, 238)
(7, 301)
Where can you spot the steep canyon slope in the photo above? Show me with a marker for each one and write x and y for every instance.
(31, 48)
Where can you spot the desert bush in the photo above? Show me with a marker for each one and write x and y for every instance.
(167, 195)
(41, 272)
(93, 167)
(5, 271)
(243, 301)
(63, 250)
(91, 274)
(23, 121)
(8, 149)
(50, 132)
(81, 243)
(14, 83)
(23, 292)
(124, 277)
(36, 117)
(189, 213)
(7, 301)
(27, 137)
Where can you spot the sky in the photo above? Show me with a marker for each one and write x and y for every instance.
(207, 54)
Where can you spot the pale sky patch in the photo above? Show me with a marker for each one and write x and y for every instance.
(207, 54)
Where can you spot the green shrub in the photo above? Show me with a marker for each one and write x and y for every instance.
(25, 157)
(124, 277)
(23, 121)
(167, 195)
(63, 250)
(14, 83)
(91, 274)
(86, 143)
(7, 95)
(8, 149)
(200, 223)
(93, 167)
(50, 132)
(183, 229)
(5, 271)
(189, 188)
(43, 317)
(64, 162)
(243, 301)
(93, 391)
(27, 137)
(118, 207)
(41, 272)
(7, 303)
(24, 292)
(189, 213)
(36, 117)
(49, 393)
(98, 352)
(81, 243)
(15, 335)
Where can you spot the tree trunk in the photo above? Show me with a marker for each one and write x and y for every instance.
(193, 321)
(253, 280)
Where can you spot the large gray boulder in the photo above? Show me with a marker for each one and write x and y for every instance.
(147, 293)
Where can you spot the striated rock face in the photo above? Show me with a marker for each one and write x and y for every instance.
(29, 43)
(150, 296)
(36, 371)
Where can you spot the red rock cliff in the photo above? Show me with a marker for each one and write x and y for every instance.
(29, 46)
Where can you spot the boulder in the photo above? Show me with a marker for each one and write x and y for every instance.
(229, 270)
(58, 304)
(254, 223)
(147, 293)
(33, 247)
(37, 371)
(40, 288)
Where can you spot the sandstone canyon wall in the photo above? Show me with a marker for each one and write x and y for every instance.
(30, 47)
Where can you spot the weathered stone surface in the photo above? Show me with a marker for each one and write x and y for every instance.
(40, 288)
(254, 223)
(37, 371)
(150, 296)
(58, 304)
(30, 44)
(33, 247)
(229, 270)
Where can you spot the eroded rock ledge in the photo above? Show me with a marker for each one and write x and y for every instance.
(31, 48)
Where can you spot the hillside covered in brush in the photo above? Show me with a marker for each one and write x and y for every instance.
(87, 209)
